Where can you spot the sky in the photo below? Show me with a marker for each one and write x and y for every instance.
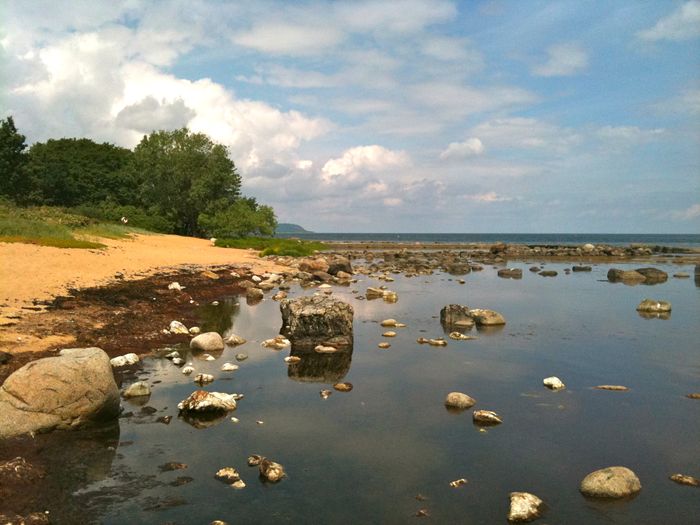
(389, 116)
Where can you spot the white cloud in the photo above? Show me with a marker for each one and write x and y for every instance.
(461, 150)
(290, 39)
(629, 134)
(525, 133)
(454, 50)
(693, 212)
(687, 103)
(681, 24)
(563, 60)
(150, 114)
(491, 196)
(356, 163)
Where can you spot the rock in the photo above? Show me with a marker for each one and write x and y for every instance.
(4, 358)
(388, 323)
(459, 400)
(546, 273)
(176, 327)
(343, 387)
(175, 286)
(194, 330)
(437, 342)
(610, 482)
(653, 275)
(311, 265)
(254, 460)
(581, 269)
(292, 359)
(535, 269)
(321, 349)
(588, 247)
(339, 264)
(458, 482)
(171, 466)
(138, 389)
(377, 293)
(324, 277)
(228, 475)
(694, 395)
(650, 305)
(271, 471)
(343, 276)
(66, 391)
(682, 479)
(229, 367)
(553, 383)
(524, 506)
(234, 340)
(241, 357)
(626, 276)
(124, 360)
(452, 314)
(389, 333)
(277, 343)
(486, 417)
(681, 275)
(209, 275)
(279, 296)
(325, 394)
(187, 370)
(33, 518)
(253, 295)
(307, 321)
(207, 342)
(203, 379)
(266, 286)
(484, 317)
(458, 336)
(511, 273)
(201, 401)
(384, 345)
(612, 387)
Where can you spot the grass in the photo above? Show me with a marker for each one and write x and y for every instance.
(48, 226)
(272, 246)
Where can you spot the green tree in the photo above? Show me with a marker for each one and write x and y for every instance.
(13, 182)
(69, 172)
(183, 175)
(243, 218)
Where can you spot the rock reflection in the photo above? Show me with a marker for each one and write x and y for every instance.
(202, 420)
(219, 318)
(654, 315)
(70, 460)
(319, 368)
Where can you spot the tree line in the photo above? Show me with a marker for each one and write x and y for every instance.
(172, 182)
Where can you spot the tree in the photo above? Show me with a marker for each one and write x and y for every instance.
(243, 218)
(182, 175)
(13, 182)
(69, 172)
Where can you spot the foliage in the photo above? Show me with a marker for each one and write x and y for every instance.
(243, 217)
(137, 217)
(182, 175)
(273, 246)
(12, 160)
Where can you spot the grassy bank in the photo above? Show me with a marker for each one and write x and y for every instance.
(272, 246)
(49, 226)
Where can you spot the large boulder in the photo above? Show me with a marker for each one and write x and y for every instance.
(611, 482)
(313, 320)
(67, 391)
(207, 342)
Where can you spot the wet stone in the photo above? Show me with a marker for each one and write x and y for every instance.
(610, 482)
(524, 507)
(683, 479)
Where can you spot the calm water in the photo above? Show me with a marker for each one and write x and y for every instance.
(680, 240)
(363, 456)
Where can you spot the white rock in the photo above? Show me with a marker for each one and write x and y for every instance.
(201, 401)
(229, 367)
(459, 400)
(553, 382)
(138, 389)
(488, 417)
(187, 370)
(207, 342)
(172, 355)
(176, 327)
(234, 340)
(175, 286)
(178, 361)
(124, 360)
(524, 506)
(321, 349)
(256, 278)
(208, 357)
(278, 343)
(203, 378)
(194, 330)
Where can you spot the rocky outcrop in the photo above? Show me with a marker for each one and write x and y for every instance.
(611, 482)
(309, 321)
(67, 391)
(653, 275)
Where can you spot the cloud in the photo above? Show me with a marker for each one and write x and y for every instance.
(491, 196)
(693, 212)
(629, 134)
(687, 103)
(525, 133)
(681, 24)
(355, 163)
(290, 39)
(563, 60)
(461, 150)
(150, 114)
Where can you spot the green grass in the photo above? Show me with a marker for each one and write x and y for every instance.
(272, 246)
(109, 231)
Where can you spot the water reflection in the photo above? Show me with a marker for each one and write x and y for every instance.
(202, 420)
(219, 318)
(654, 315)
(319, 368)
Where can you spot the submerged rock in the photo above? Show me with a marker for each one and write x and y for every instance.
(553, 383)
(313, 320)
(619, 388)
(581, 268)
(322, 349)
(388, 323)
(66, 391)
(653, 275)
(610, 482)
(384, 345)
(650, 305)
(547, 273)
(458, 336)
(203, 379)
(510, 273)
(524, 507)
(201, 401)
(626, 276)
(228, 475)
(229, 367)
(138, 389)
(458, 483)
(124, 360)
(459, 400)
(207, 342)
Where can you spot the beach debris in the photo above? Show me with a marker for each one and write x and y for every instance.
(187, 370)
(175, 286)
(195, 330)
(384, 344)
(437, 342)
(207, 342)
(388, 323)
(694, 395)
(138, 389)
(618, 388)
(343, 387)
(271, 470)
(292, 359)
(229, 367)
(553, 383)
(389, 333)
(459, 400)
(203, 379)
(254, 460)
(524, 506)
(683, 479)
(323, 349)
(653, 306)
(484, 317)
(201, 401)
(459, 336)
(124, 360)
(176, 327)
(486, 417)
(172, 465)
(458, 482)
(610, 482)
(234, 340)
(241, 357)
(277, 343)
(325, 393)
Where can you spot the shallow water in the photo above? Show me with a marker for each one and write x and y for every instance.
(364, 456)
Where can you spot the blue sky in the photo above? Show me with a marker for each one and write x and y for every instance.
(407, 116)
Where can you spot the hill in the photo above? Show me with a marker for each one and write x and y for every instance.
(286, 227)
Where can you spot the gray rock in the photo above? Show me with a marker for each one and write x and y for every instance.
(459, 400)
(524, 507)
(235, 340)
(454, 315)
(138, 389)
(653, 275)
(626, 276)
(317, 319)
(548, 273)
(339, 264)
(611, 482)
(207, 342)
(581, 269)
(66, 391)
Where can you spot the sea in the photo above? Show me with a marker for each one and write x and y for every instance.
(614, 239)
(387, 451)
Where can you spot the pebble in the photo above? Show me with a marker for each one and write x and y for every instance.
(195, 330)
(388, 323)
(459, 400)
(694, 395)
(254, 460)
(187, 370)
(277, 343)
(389, 334)
(321, 349)
(227, 475)
(234, 340)
(458, 336)
(177, 361)
(241, 357)
(610, 482)
(292, 359)
(437, 342)
(458, 483)
(124, 360)
(138, 389)
(176, 327)
(271, 470)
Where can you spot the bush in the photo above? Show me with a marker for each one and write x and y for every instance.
(288, 247)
